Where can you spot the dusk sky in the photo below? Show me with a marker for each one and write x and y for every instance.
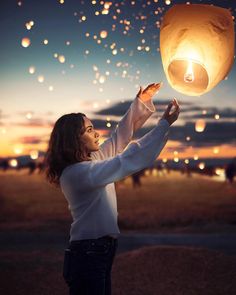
(91, 57)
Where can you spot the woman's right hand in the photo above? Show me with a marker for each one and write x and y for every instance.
(171, 117)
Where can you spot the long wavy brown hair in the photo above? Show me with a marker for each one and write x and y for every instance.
(65, 146)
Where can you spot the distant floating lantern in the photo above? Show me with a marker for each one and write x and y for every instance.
(25, 42)
(61, 58)
(201, 165)
(197, 47)
(13, 163)
(40, 79)
(103, 34)
(32, 70)
(34, 155)
(200, 125)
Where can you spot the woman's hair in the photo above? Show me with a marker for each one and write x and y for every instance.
(65, 146)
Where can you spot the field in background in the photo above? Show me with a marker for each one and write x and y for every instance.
(173, 202)
(34, 226)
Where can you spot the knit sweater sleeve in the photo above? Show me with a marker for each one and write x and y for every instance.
(137, 156)
(134, 118)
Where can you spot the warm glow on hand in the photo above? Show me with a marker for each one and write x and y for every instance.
(147, 93)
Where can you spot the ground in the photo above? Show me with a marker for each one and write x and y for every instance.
(34, 226)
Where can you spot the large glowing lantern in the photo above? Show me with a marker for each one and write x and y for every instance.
(197, 47)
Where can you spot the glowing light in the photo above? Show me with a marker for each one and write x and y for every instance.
(107, 5)
(40, 79)
(189, 66)
(95, 105)
(108, 124)
(32, 70)
(176, 159)
(25, 42)
(83, 18)
(45, 41)
(168, 2)
(13, 163)
(188, 138)
(55, 55)
(3, 131)
(29, 116)
(186, 161)
(103, 34)
(200, 125)
(164, 160)
(61, 1)
(102, 79)
(216, 150)
(147, 172)
(61, 58)
(195, 157)
(34, 155)
(28, 26)
(67, 43)
(189, 76)
(31, 23)
(217, 116)
(154, 172)
(219, 171)
(18, 150)
(201, 165)
(114, 51)
(50, 88)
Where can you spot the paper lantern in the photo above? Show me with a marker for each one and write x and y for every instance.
(197, 47)
(25, 42)
(200, 125)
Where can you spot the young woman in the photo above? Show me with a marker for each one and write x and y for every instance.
(86, 173)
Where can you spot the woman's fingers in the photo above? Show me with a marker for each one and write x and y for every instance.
(140, 91)
(154, 86)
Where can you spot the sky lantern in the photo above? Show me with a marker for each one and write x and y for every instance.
(197, 47)
(25, 42)
(200, 125)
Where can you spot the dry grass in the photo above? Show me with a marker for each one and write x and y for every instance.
(170, 203)
(30, 207)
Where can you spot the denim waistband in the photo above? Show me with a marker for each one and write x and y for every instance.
(104, 238)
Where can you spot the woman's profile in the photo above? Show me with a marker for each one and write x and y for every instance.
(86, 173)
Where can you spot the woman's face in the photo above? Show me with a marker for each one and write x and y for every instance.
(90, 137)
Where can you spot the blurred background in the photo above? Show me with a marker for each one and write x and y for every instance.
(68, 56)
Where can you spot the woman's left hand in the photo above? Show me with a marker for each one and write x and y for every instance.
(147, 93)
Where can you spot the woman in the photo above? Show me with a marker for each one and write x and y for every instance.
(86, 173)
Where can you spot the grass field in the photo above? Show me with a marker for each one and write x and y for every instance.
(34, 224)
(169, 203)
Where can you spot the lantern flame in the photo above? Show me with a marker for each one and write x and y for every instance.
(189, 75)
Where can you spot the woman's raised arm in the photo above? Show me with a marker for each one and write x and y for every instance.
(138, 113)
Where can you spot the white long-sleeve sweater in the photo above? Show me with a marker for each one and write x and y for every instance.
(89, 187)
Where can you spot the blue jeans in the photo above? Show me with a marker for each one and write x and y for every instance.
(87, 266)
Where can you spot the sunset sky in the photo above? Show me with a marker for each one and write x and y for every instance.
(91, 57)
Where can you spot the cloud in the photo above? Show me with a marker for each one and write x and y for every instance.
(34, 123)
(227, 113)
(120, 108)
(30, 140)
(215, 133)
